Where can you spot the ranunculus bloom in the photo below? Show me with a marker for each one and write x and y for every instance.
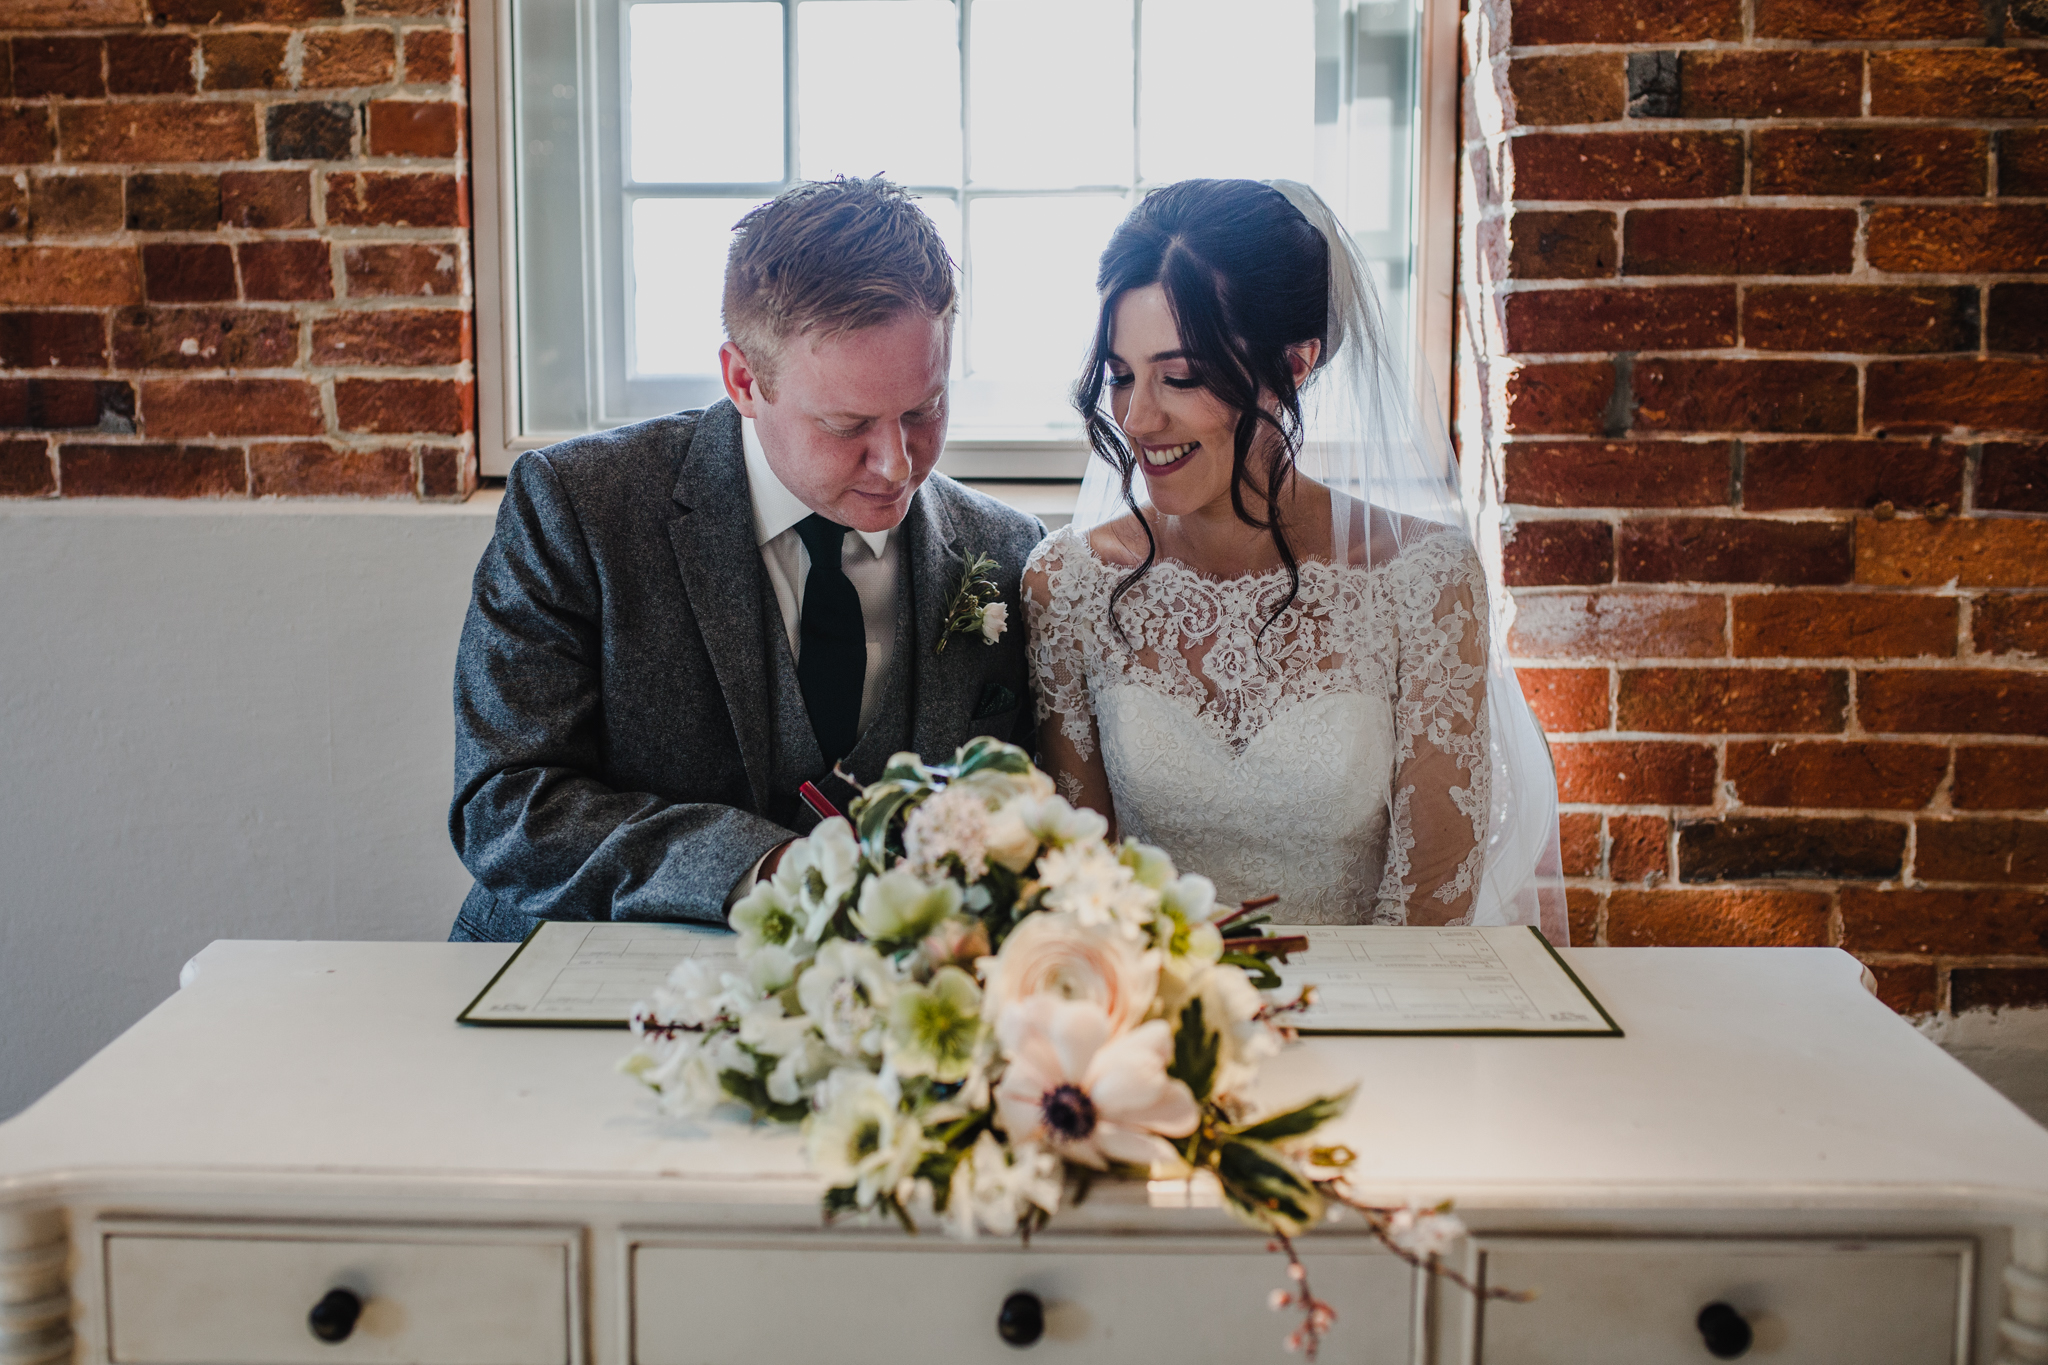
(1055, 954)
(994, 620)
(1090, 1094)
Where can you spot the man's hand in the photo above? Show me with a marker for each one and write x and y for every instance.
(771, 861)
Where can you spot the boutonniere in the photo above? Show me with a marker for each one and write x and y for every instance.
(976, 606)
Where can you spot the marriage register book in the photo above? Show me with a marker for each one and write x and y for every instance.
(1367, 978)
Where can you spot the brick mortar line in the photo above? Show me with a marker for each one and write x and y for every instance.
(1511, 133)
(2011, 43)
(312, 308)
(391, 23)
(1786, 202)
(1616, 515)
(1616, 283)
(1857, 358)
(1689, 437)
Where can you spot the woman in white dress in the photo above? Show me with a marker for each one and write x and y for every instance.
(1291, 682)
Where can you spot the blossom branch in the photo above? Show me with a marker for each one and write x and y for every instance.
(1316, 1315)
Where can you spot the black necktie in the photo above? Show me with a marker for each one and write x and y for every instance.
(832, 655)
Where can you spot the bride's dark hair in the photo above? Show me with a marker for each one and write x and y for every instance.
(1246, 276)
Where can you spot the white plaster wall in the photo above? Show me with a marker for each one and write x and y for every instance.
(216, 721)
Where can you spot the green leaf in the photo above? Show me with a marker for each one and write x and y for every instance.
(752, 1091)
(1195, 1051)
(839, 1199)
(1263, 1187)
(1257, 968)
(1296, 1122)
(876, 815)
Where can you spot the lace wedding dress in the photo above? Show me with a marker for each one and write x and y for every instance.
(1338, 758)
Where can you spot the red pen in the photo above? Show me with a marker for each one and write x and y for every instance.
(816, 800)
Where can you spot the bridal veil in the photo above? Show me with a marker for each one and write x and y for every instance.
(1374, 433)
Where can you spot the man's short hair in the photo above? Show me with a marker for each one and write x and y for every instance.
(831, 256)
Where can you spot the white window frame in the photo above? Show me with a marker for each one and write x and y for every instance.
(494, 256)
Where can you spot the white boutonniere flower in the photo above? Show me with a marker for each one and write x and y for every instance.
(976, 607)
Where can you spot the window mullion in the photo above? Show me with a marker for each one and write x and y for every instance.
(789, 101)
(965, 337)
(1137, 95)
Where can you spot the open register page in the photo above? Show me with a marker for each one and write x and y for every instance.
(580, 974)
(1415, 979)
(1368, 978)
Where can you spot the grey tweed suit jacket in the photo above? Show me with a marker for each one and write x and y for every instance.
(628, 733)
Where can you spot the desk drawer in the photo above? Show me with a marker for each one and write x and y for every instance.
(425, 1299)
(890, 1301)
(1638, 1302)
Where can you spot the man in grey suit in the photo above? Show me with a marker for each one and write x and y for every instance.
(679, 623)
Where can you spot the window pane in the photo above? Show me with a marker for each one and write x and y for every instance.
(1034, 284)
(1051, 83)
(1229, 89)
(693, 117)
(880, 92)
(678, 277)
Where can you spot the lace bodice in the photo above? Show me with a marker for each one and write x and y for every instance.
(1338, 759)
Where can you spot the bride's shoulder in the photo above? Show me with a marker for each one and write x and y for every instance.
(1060, 566)
(1072, 550)
(1383, 539)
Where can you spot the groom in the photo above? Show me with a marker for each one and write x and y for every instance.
(679, 623)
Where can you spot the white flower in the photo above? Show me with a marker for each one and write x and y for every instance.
(818, 873)
(1092, 1095)
(1424, 1232)
(766, 1027)
(768, 915)
(685, 1070)
(1055, 954)
(994, 621)
(952, 823)
(1051, 820)
(1008, 841)
(1190, 896)
(846, 992)
(800, 1069)
(936, 1030)
(995, 1187)
(1000, 787)
(1148, 864)
(860, 1137)
(1089, 882)
(899, 906)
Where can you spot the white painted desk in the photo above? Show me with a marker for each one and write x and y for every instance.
(307, 1116)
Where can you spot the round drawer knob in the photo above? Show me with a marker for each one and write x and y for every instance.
(334, 1317)
(1022, 1319)
(1725, 1331)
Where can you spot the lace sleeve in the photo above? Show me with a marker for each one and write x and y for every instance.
(1436, 593)
(1060, 640)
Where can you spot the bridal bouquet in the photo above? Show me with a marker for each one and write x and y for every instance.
(974, 1003)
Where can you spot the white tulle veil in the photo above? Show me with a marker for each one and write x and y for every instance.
(1375, 434)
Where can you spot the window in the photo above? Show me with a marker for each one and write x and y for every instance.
(629, 136)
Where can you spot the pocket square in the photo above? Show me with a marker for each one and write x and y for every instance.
(995, 699)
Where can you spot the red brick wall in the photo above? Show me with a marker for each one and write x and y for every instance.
(234, 249)
(1755, 343)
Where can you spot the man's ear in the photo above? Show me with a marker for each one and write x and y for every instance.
(742, 384)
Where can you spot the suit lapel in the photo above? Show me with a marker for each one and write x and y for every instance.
(712, 534)
(941, 684)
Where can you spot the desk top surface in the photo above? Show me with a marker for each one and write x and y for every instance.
(1762, 1074)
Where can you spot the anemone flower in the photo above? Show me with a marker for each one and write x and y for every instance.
(1090, 1094)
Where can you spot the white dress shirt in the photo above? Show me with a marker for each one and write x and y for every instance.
(868, 559)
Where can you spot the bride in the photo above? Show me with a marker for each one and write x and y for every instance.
(1279, 663)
